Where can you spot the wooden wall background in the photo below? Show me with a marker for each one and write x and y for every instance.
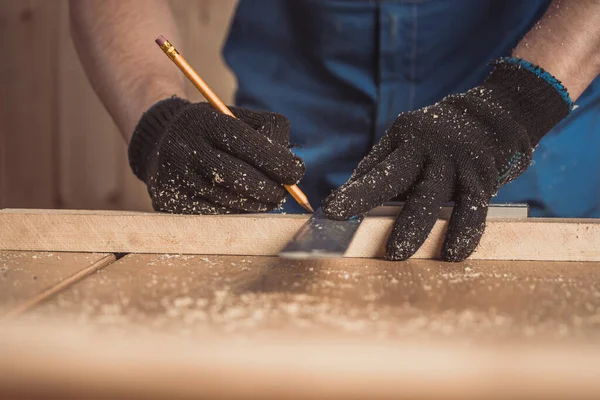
(58, 146)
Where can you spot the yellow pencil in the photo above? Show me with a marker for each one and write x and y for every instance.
(212, 98)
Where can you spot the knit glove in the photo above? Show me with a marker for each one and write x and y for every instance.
(195, 160)
(462, 149)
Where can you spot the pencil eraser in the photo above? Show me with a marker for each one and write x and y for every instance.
(160, 40)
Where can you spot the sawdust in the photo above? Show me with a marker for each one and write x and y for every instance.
(246, 297)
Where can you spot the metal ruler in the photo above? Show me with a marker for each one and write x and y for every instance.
(321, 237)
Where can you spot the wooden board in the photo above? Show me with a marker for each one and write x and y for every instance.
(266, 234)
(3, 167)
(179, 327)
(24, 275)
(28, 31)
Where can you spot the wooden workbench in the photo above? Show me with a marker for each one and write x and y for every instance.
(197, 326)
(213, 313)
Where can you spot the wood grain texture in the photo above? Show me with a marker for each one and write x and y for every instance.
(28, 96)
(199, 296)
(179, 327)
(155, 367)
(266, 234)
(38, 299)
(3, 166)
(24, 275)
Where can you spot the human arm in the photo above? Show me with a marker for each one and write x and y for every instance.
(115, 43)
(464, 148)
(566, 43)
(192, 158)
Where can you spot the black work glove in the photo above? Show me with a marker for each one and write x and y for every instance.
(462, 149)
(196, 160)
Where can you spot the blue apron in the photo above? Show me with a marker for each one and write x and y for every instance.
(342, 70)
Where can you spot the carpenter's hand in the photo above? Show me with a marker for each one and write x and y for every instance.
(462, 149)
(196, 160)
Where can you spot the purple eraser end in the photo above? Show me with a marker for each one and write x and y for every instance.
(160, 40)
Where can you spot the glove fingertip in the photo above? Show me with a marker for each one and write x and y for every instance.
(294, 172)
(406, 238)
(453, 254)
(398, 252)
(458, 248)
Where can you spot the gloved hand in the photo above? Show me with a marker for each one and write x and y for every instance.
(195, 160)
(462, 149)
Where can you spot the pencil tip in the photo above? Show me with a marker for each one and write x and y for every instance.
(308, 207)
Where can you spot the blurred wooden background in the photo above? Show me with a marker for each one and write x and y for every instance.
(58, 146)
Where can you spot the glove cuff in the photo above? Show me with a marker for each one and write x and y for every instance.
(149, 131)
(534, 97)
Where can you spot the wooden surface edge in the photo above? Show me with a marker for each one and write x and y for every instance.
(267, 234)
(158, 367)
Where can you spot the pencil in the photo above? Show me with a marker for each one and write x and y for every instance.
(214, 100)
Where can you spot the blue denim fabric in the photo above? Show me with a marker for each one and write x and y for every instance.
(342, 70)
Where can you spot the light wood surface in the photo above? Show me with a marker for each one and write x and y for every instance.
(156, 367)
(248, 296)
(60, 286)
(24, 275)
(267, 234)
(179, 327)
(27, 96)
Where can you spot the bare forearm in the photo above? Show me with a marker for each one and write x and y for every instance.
(566, 43)
(115, 42)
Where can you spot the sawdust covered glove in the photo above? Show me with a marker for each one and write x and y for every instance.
(195, 160)
(462, 149)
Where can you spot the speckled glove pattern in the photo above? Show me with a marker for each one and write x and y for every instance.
(462, 149)
(195, 160)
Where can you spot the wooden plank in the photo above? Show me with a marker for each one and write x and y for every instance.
(28, 91)
(266, 234)
(3, 165)
(3, 126)
(24, 275)
(177, 326)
